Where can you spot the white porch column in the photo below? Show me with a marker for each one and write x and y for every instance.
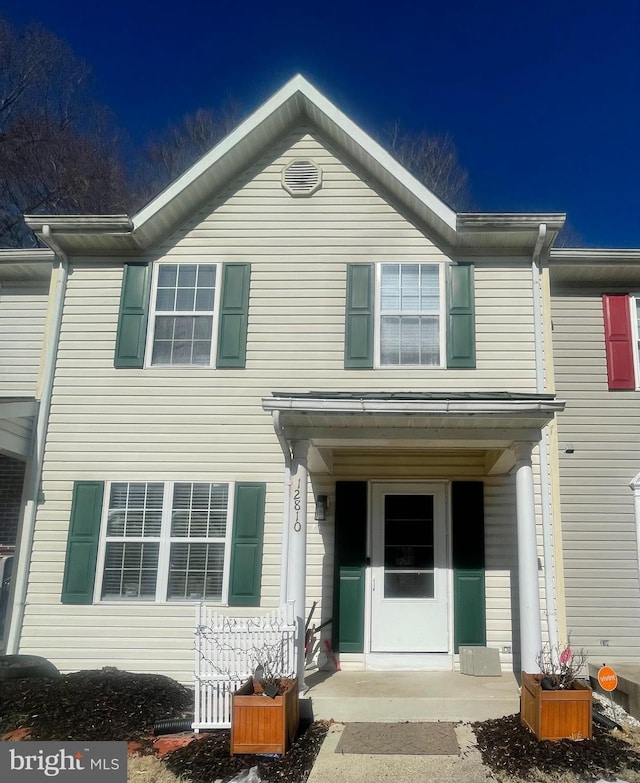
(528, 584)
(296, 585)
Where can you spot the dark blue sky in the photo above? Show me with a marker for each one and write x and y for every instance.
(542, 98)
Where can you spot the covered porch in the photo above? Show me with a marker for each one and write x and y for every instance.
(347, 696)
(465, 441)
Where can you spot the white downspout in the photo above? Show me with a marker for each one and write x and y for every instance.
(635, 486)
(284, 563)
(547, 533)
(34, 473)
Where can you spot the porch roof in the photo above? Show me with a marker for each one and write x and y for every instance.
(17, 418)
(488, 421)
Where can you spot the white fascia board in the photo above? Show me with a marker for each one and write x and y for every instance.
(510, 220)
(298, 86)
(378, 153)
(588, 255)
(218, 151)
(420, 407)
(30, 255)
(80, 224)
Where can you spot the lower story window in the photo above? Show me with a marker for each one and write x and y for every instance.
(166, 541)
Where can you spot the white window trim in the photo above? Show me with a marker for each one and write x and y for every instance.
(162, 578)
(442, 315)
(632, 298)
(151, 327)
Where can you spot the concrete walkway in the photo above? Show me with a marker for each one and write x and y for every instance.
(332, 767)
(348, 696)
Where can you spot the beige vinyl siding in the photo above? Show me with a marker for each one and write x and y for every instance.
(202, 424)
(599, 528)
(22, 322)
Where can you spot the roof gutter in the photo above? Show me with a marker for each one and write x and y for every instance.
(515, 221)
(547, 528)
(579, 256)
(77, 224)
(34, 468)
(423, 407)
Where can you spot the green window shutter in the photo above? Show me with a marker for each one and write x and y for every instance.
(358, 339)
(82, 542)
(351, 610)
(234, 316)
(246, 545)
(349, 566)
(133, 317)
(461, 328)
(467, 533)
(469, 614)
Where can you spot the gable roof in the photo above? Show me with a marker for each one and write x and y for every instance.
(298, 102)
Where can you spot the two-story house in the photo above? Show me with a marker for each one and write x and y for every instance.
(297, 375)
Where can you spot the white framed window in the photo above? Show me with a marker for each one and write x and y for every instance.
(165, 541)
(183, 317)
(410, 319)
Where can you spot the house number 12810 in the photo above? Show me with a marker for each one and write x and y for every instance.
(296, 506)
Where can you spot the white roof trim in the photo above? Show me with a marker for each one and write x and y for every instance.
(510, 220)
(81, 224)
(580, 255)
(297, 88)
(421, 407)
(28, 255)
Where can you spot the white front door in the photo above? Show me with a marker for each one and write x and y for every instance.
(409, 582)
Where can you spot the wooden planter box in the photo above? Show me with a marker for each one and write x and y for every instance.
(260, 724)
(555, 715)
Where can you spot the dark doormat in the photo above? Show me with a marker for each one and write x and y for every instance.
(404, 739)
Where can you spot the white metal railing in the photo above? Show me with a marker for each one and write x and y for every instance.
(227, 652)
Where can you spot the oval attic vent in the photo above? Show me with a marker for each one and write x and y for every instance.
(301, 178)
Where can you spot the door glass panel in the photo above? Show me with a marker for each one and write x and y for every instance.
(408, 546)
(405, 584)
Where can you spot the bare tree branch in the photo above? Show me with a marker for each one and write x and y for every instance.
(434, 161)
(59, 150)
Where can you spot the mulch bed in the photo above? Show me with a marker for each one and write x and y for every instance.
(110, 704)
(105, 704)
(509, 747)
(209, 758)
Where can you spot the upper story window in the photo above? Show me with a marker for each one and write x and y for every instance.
(183, 315)
(182, 329)
(410, 315)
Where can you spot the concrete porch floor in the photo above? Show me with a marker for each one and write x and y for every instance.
(346, 696)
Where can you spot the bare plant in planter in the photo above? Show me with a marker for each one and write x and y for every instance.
(265, 711)
(555, 704)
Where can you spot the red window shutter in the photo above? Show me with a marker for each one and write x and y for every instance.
(618, 341)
